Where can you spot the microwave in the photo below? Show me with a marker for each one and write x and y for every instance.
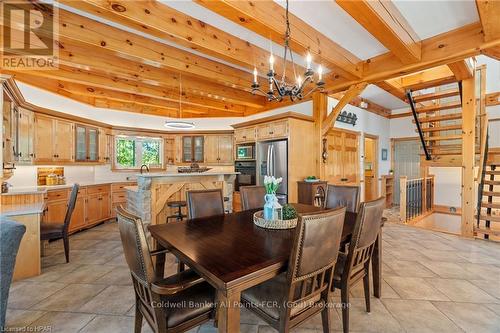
(245, 152)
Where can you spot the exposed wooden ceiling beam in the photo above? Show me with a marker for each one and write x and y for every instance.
(137, 48)
(63, 88)
(489, 14)
(493, 99)
(493, 52)
(442, 49)
(159, 20)
(462, 69)
(351, 93)
(428, 78)
(384, 21)
(397, 92)
(370, 106)
(267, 19)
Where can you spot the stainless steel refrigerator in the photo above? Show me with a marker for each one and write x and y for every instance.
(272, 160)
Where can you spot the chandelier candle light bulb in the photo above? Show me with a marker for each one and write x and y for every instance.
(271, 63)
(309, 61)
(320, 73)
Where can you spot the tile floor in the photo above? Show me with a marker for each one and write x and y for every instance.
(433, 282)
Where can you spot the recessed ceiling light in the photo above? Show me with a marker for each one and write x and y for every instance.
(175, 124)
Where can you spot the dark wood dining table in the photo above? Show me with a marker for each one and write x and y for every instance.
(234, 254)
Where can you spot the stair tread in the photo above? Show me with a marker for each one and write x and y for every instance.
(434, 108)
(491, 172)
(484, 230)
(450, 116)
(491, 194)
(441, 128)
(436, 95)
(443, 137)
(487, 217)
(490, 205)
(491, 182)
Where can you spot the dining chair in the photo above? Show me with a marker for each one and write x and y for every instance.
(304, 289)
(52, 230)
(174, 304)
(354, 266)
(205, 203)
(342, 195)
(252, 197)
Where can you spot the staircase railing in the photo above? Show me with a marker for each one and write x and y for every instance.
(417, 123)
(416, 197)
(481, 175)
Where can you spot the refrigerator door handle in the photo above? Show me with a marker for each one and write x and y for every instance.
(268, 173)
(273, 166)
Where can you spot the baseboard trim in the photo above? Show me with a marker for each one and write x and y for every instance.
(447, 210)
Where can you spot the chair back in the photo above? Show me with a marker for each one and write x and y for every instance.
(71, 206)
(342, 196)
(312, 260)
(366, 229)
(252, 197)
(205, 203)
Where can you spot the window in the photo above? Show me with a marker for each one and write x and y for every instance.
(133, 151)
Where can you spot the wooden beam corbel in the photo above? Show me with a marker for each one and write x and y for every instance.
(350, 94)
(462, 69)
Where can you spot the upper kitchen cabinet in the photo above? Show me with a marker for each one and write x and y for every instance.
(105, 146)
(272, 130)
(193, 149)
(219, 149)
(26, 136)
(87, 143)
(9, 130)
(53, 139)
(246, 134)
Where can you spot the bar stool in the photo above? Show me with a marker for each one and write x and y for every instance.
(177, 204)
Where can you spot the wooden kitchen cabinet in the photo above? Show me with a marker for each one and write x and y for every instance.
(78, 218)
(56, 211)
(218, 149)
(105, 140)
(246, 134)
(193, 149)
(87, 143)
(53, 140)
(26, 136)
(93, 208)
(272, 130)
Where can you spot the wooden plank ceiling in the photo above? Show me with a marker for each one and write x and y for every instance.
(106, 66)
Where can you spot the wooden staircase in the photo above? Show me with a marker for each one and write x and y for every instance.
(438, 118)
(488, 208)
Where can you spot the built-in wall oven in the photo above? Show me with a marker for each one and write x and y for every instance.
(245, 152)
(247, 174)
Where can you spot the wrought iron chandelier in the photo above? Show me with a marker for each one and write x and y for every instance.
(279, 89)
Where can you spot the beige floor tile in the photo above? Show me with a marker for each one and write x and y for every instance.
(387, 292)
(86, 274)
(115, 300)
(16, 320)
(449, 270)
(378, 320)
(25, 294)
(470, 317)
(414, 288)
(70, 298)
(119, 276)
(409, 268)
(316, 322)
(494, 307)
(439, 255)
(491, 287)
(54, 273)
(419, 316)
(109, 324)
(63, 322)
(484, 271)
(461, 291)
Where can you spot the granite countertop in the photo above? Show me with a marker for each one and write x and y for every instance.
(43, 189)
(187, 174)
(22, 209)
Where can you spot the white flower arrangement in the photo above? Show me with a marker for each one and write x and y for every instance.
(272, 184)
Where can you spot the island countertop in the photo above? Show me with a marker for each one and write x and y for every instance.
(22, 209)
(186, 174)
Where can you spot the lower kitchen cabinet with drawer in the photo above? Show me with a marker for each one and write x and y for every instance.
(94, 204)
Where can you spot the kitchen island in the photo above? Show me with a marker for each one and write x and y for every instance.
(149, 198)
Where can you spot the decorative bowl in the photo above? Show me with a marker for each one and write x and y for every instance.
(315, 180)
(258, 220)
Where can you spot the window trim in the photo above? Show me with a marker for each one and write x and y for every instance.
(138, 152)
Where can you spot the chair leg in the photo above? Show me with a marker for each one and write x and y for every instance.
(326, 315)
(366, 285)
(344, 296)
(66, 247)
(138, 319)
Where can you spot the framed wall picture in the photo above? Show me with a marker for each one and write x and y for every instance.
(384, 154)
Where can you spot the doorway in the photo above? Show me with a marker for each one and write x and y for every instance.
(371, 166)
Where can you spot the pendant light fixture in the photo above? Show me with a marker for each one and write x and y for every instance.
(280, 88)
(179, 124)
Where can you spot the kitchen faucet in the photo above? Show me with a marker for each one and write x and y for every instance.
(144, 166)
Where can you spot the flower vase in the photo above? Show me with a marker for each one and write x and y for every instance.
(272, 209)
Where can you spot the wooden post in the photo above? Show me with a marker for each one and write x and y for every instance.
(402, 198)
(320, 110)
(468, 145)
